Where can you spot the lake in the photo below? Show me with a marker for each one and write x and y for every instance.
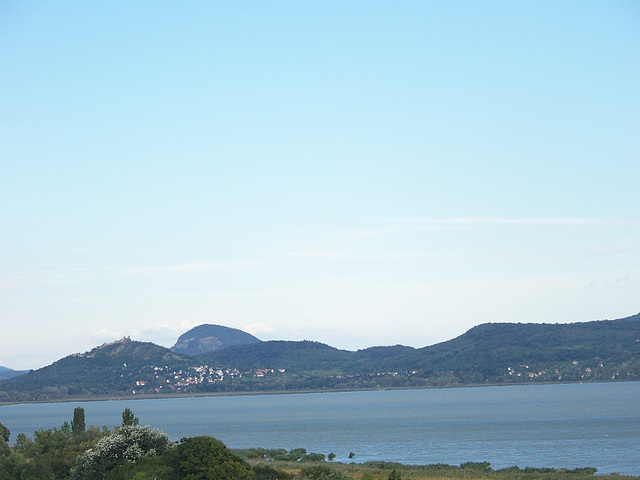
(577, 425)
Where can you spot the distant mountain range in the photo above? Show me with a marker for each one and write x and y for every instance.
(9, 373)
(221, 359)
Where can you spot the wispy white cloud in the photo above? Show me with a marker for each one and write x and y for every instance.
(421, 224)
(569, 221)
(357, 256)
(146, 269)
(20, 279)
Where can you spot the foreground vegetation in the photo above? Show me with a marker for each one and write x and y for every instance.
(134, 452)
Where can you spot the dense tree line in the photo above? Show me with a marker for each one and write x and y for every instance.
(129, 452)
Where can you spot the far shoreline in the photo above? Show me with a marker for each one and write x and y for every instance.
(160, 396)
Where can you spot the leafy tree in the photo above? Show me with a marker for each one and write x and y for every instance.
(23, 442)
(5, 433)
(4, 439)
(395, 475)
(204, 458)
(15, 466)
(313, 457)
(293, 455)
(316, 473)
(4, 449)
(129, 444)
(129, 419)
(78, 424)
(146, 468)
(50, 452)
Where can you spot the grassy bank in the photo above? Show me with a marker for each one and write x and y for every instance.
(383, 470)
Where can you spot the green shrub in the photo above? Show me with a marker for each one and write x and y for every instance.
(266, 472)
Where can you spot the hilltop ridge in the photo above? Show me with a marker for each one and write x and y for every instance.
(207, 338)
(493, 353)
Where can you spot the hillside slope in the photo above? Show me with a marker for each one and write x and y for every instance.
(491, 353)
(291, 356)
(207, 338)
(486, 352)
(6, 373)
(116, 368)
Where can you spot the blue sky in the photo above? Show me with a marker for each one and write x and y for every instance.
(357, 173)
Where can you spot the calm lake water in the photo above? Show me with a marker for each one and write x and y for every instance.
(578, 425)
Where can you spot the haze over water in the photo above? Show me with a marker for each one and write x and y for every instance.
(578, 425)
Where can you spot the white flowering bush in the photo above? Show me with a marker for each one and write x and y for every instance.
(128, 444)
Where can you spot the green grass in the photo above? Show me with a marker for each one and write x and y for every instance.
(472, 471)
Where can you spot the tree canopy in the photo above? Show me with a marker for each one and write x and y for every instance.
(204, 458)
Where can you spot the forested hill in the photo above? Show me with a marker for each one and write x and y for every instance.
(607, 348)
(495, 353)
(112, 369)
(296, 357)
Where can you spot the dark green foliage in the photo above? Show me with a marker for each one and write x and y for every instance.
(585, 470)
(22, 441)
(78, 423)
(5, 433)
(294, 357)
(128, 418)
(293, 455)
(203, 458)
(480, 466)
(265, 472)
(395, 475)
(16, 467)
(313, 457)
(146, 468)
(4, 449)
